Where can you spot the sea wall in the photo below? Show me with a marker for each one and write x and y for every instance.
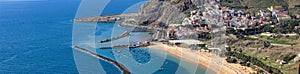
(118, 65)
(105, 19)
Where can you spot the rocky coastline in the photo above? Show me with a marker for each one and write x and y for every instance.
(104, 19)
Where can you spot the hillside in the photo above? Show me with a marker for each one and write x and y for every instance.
(164, 12)
(256, 5)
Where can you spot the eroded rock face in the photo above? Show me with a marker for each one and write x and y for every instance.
(164, 11)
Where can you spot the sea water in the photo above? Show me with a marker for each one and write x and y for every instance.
(36, 35)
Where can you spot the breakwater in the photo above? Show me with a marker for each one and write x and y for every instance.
(119, 65)
(126, 33)
(117, 18)
(132, 25)
(105, 19)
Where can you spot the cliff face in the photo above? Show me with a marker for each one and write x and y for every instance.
(164, 12)
(152, 13)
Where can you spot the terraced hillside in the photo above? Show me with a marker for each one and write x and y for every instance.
(256, 5)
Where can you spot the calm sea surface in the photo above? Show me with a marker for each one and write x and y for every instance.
(36, 35)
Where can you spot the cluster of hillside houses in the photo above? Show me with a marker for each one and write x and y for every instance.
(224, 17)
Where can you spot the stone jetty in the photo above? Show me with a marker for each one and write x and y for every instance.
(118, 65)
(105, 19)
(126, 33)
(124, 20)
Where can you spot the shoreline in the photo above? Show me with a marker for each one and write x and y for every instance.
(203, 59)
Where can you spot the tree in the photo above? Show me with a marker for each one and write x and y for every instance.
(228, 49)
(288, 58)
(230, 31)
(231, 60)
(267, 44)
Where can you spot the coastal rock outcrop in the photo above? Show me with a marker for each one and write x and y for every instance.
(162, 12)
(155, 13)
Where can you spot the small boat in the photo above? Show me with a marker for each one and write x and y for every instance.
(150, 33)
(160, 69)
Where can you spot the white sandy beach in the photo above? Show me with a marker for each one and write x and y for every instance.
(204, 59)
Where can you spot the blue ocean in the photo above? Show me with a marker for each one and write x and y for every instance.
(36, 37)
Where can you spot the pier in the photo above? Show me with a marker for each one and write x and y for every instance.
(118, 65)
(141, 30)
(128, 46)
(126, 33)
